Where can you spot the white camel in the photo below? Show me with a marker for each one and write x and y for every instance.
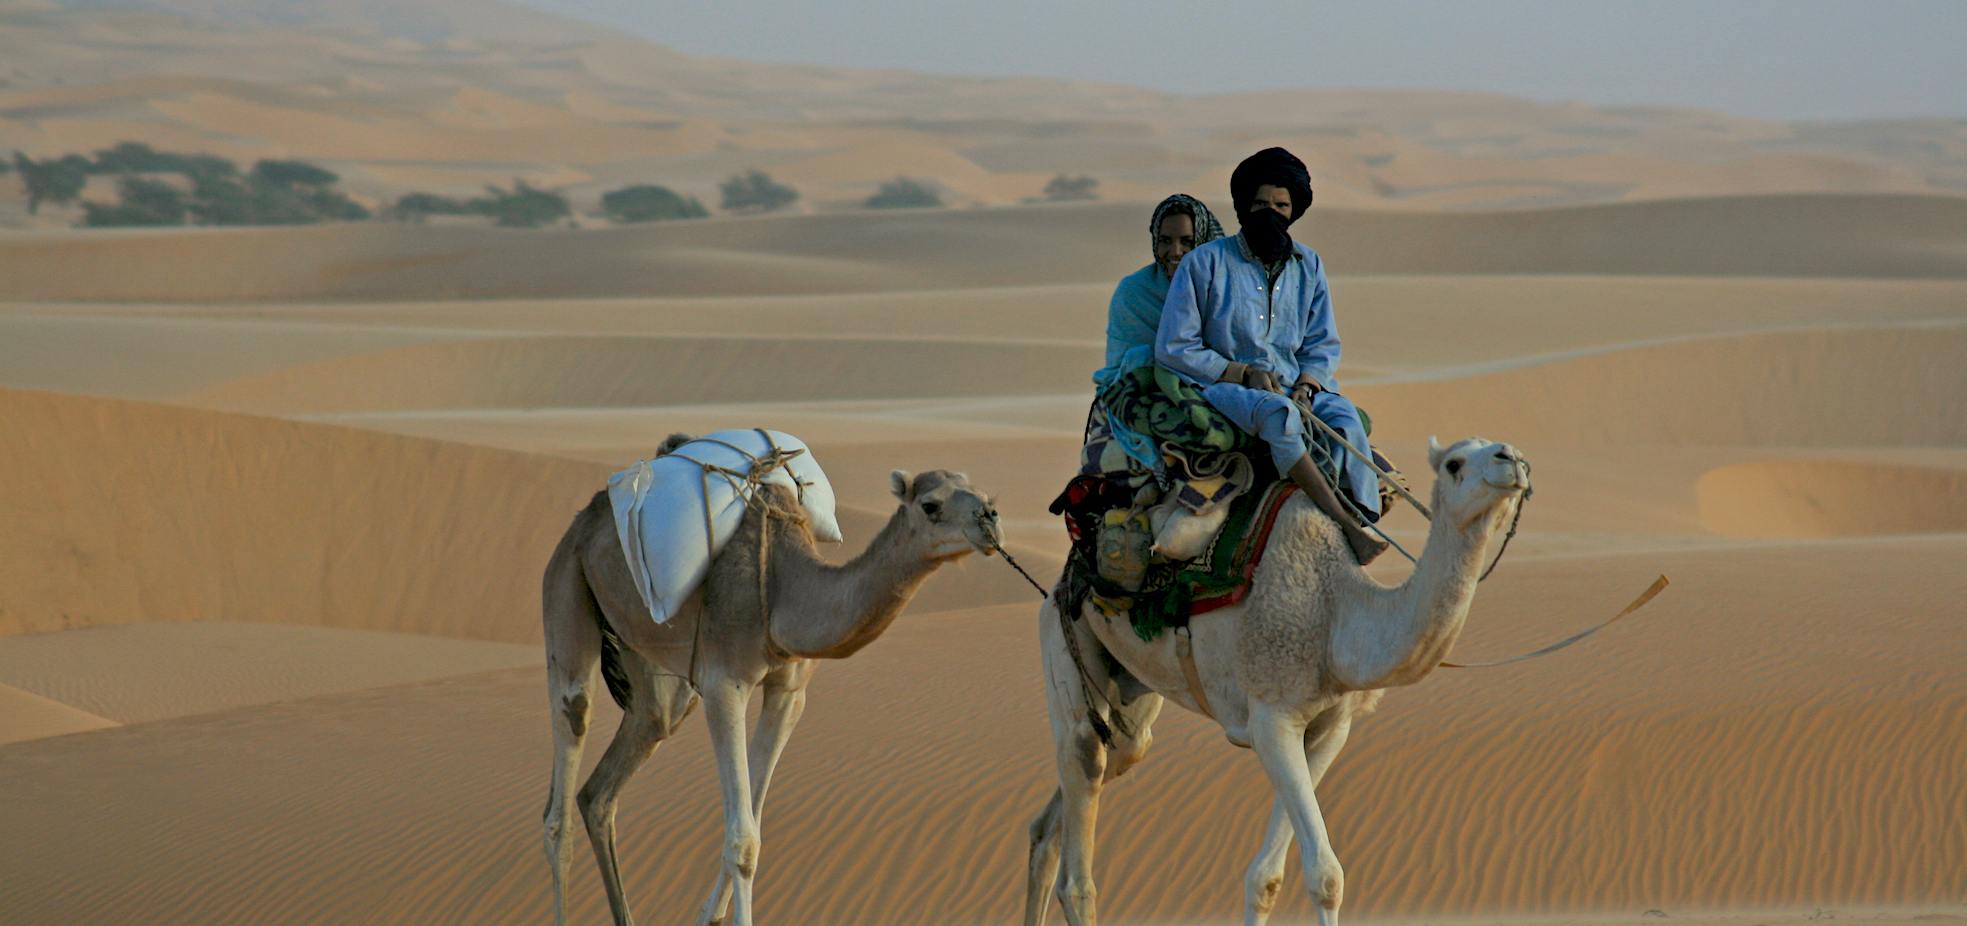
(721, 644)
(1284, 673)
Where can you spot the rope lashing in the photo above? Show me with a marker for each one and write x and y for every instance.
(745, 484)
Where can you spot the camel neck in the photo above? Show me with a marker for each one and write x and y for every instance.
(1399, 634)
(822, 611)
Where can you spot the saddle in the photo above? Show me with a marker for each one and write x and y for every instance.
(1125, 562)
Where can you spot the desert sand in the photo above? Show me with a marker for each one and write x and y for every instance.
(277, 500)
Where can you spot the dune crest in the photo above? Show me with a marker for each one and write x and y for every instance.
(1826, 498)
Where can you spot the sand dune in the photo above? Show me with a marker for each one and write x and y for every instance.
(629, 371)
(509, 92)
(1828, 387)
(125, 512)
(27, 716)
(1831, 499)
(162, 359)
(136, 673)
(1809, 236)
(285, 669)
(1729, 739)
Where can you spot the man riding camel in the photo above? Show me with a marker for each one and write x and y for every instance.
(1248, 322)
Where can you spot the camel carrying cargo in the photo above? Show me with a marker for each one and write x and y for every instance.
(675, 513)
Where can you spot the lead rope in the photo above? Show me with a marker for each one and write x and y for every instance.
(1087, 687)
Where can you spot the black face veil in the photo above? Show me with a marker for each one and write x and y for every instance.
(1268, 232)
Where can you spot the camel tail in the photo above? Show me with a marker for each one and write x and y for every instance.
(611, 664)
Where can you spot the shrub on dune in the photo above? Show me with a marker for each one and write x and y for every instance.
(416, 207)
(756, 191)
(650, 204)
(903, 193)
(143, 202)
(55, 180)
(1063, 187)
(523, 206)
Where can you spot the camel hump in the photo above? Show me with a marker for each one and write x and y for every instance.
(673, 514)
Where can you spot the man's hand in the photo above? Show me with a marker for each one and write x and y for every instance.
(1263, 380)
(1304, 390)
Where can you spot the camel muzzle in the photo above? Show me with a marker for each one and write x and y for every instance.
(988, 536)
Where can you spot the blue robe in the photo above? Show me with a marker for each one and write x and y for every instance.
(1222, 307)
(1132, 318)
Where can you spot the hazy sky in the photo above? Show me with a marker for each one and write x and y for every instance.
(1787, 60)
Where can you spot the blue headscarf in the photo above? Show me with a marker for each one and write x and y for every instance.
(1135, 312)
(1207, 229)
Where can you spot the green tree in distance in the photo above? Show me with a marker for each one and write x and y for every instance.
(650, 204)
(55, 180)
(293, 174)
(903, 193)
(1063, 187)
(523, 207)
(143, 202)
(756, 191)
(417, 206)
(135, 157)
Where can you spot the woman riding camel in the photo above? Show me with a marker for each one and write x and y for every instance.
(1179, 224)
(1248, 322)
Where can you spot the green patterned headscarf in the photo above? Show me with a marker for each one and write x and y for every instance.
(1207, 229)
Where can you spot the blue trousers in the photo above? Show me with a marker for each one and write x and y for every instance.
(1273, 418)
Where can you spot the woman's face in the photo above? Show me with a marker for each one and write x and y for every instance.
(1175, 238)
(1273, 197)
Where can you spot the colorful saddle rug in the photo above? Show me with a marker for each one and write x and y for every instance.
(1169, 593)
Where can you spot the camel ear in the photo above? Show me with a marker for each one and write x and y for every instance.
(903, 485)
(1434, 452)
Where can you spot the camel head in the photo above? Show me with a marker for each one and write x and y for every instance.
(954, 518)
(1475, 479)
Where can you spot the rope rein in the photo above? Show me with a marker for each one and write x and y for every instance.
(1087, 687)
(1513, 521)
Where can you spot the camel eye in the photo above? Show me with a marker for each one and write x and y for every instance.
(933, 509)
(1454, 466)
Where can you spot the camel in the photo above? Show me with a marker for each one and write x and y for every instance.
(1284, 673)
(750, 625)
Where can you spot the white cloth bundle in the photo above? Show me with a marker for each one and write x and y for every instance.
(662, 506)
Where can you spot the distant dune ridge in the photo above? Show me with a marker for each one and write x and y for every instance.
(447, 96)
(277, 500)
(1815, 235)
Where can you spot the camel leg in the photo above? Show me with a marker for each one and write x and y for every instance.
(724, 704)
(1042, 864)
(573, 657)
(658, 703)
(1280, 741)
(783, 700)
(1082, 765)
(1266, 878)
